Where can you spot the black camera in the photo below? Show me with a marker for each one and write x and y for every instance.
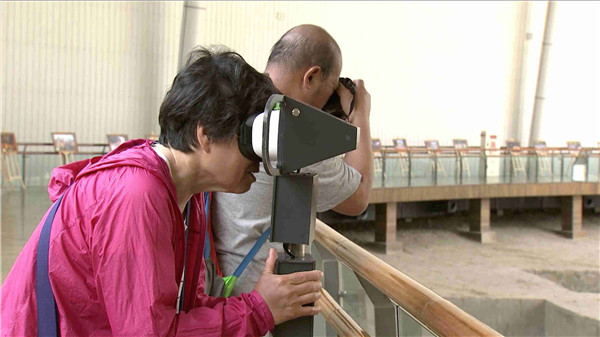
(334, 106)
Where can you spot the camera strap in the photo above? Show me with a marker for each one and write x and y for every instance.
(346, 82)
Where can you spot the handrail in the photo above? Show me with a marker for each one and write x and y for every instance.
(437, 314)
(52, 144)
(24, 151)
(448, 149)
(339, 320)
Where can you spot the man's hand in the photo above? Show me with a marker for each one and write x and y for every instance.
(285, 294)
(362, 101)
(360, 159)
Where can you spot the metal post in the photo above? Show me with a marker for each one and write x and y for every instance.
(190, 28)
(460, 167)
(386, 323)
(587, 167)
(435, 169)
(409, 167)
(510, 167)
(562, 165)
(537, 164)
(23, 160)
(382, 168)
(552, 166)
(182, 36)
(540, 92)
(482, 158)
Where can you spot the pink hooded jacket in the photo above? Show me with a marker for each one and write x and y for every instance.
(117, 254)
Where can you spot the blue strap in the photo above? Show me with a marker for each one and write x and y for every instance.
(206, 235)
(186, 221)
(240, 269)
(248, 258)
(46, 305)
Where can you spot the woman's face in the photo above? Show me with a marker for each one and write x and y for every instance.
(233, 171)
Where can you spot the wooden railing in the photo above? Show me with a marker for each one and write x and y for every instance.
(437, 314)
(343, 324)
(49, 149)
(25, 151)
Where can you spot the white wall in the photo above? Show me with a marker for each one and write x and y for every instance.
(572, 107)
(87, 67)
(434, 69)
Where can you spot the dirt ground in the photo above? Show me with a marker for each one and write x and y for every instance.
(529, 260)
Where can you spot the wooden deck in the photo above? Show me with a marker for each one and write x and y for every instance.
(571, 193)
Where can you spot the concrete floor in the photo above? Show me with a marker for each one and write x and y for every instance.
(21, 213)
(529, 261)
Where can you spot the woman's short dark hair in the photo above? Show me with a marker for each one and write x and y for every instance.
(217, 90)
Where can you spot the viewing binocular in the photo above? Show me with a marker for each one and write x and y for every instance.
(293, 135)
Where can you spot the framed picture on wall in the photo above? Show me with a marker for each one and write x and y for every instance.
(513, 144)
(400, 143)
(432, 145)
(539, 145)
(573, 145)
(9, 142)
(115, 139)
(460, 144)
(376, 143)
(64, 142)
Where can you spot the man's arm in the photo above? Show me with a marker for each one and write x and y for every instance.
(360, 159)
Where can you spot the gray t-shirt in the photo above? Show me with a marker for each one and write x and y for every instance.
(238, 220)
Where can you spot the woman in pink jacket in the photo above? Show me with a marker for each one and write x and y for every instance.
(125, 248)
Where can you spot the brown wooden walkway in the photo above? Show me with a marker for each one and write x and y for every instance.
(386, 199)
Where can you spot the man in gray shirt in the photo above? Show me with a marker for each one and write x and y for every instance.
(305, 64)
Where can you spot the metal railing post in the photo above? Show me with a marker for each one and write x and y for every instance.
(409, 168)
(382, 168)
(386, 323)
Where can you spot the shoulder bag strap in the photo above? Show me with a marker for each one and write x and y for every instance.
(47, 315)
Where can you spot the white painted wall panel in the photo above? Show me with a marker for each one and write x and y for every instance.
(88, 67)
(572, 106)
(434, 70)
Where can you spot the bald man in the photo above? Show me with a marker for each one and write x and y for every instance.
(305, 64)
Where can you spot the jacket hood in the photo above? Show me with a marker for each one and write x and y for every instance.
(64, 176)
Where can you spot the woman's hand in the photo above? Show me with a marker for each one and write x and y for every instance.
(285, 294)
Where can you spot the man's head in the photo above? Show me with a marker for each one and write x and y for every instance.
(305, 64)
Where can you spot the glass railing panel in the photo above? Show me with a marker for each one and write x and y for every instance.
(593, 168)
(467, 170)
(377, 317)
(446, 172)
(421, 169)
(375, 313)
(352, 298)
(397, 168)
